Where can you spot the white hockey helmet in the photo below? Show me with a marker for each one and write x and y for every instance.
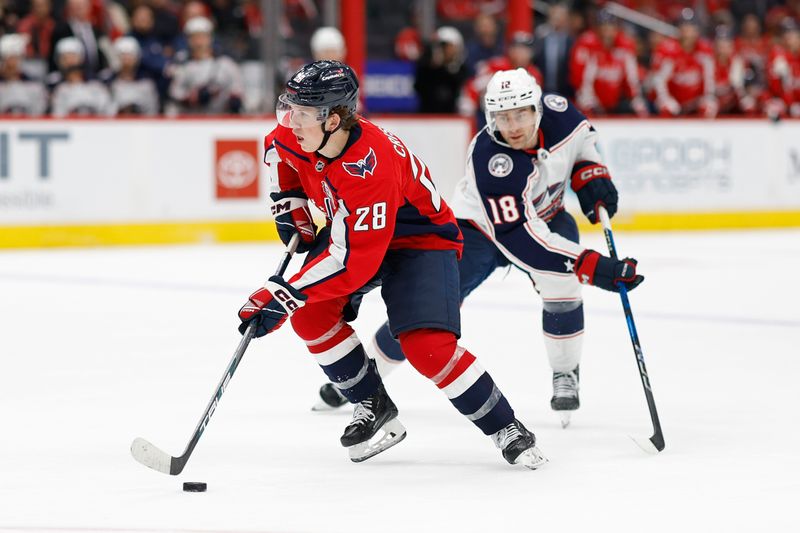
(328, 43)
(13, 45)
(512, 89)
(69, 45)
(127, 46)
(449, 34)
(198, 25)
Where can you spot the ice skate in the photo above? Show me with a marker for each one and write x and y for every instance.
(565, 398)
(519, 446)
(374, 428)
(329, 398)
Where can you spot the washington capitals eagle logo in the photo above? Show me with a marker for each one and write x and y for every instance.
(362, 167)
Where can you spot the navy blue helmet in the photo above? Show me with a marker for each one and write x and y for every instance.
(324, 84)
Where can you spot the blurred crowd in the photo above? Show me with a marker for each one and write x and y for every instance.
(177, 57)
(705, 58)
(106, 58)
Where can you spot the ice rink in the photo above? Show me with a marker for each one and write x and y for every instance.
(99, 346)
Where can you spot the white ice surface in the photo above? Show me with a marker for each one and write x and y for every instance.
(100, 346)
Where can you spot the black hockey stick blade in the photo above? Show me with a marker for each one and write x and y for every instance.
(653, 445)
(152, 456)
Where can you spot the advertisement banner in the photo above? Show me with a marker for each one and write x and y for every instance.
(60, 172)
(236, 171)
(691, 165)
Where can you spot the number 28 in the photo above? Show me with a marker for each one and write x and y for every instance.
(378, 212)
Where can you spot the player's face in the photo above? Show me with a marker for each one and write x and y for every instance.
(689, 33)
(304, 121)
(518, 127)
(200, 42)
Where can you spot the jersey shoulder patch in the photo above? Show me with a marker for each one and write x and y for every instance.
(556, 102)
(559, 119)
(362, 167)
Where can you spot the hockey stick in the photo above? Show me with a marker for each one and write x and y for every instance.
(655, 443)
(152, 456)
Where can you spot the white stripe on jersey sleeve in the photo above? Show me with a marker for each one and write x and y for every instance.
(271, 158)
(334, 263)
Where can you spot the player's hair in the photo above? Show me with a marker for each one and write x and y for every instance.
(349, 119)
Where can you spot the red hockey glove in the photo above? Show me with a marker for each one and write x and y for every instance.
(270, 305)
(605, 272)
(593, 185)
(290, 209)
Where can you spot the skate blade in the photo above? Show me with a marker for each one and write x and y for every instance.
(393, 433)
(566, 418)
(531, 458)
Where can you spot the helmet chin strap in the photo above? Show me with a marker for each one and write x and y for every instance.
(326, 135)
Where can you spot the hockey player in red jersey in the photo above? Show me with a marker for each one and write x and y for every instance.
(388, 226)
(684, 72)
(604, 71)
(783, 74)
(510, 208)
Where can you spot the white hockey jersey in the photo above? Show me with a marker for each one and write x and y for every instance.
(28, 98)
(221, 76)
(512, 194)
(135, 97)
(88, 98)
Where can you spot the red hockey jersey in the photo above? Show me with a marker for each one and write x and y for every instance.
(783, 76)
(684, 76)
(604, 76)
(588, 44)
(376, 195)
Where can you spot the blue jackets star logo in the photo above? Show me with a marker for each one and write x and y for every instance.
(362, 167)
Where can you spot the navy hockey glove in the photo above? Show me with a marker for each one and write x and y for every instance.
(593, 185)
(595, 269)
(290, 209)
(270, 305)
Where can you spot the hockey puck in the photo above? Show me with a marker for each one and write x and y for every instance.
(194, 486)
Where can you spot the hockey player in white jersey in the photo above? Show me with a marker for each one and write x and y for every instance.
(18, 94)
(510, 208)
(133, 94)
(206, 84)
(73, 94)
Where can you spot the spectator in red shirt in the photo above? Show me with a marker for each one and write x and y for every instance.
(38, 26)
(407, 44)
(783, 73)
(609, 74)
(684, 72)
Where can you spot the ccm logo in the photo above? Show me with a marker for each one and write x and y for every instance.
(290, 303)
(281, 207)
(592, 173)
